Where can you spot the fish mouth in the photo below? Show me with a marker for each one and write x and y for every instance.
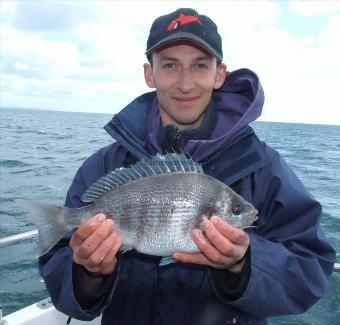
(251, 219)
(254, 216)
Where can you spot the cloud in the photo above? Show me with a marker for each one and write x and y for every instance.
(76, 57)
(314, 8)
(43, 58)
(50, 15)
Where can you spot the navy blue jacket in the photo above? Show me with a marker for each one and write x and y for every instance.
(291, 259)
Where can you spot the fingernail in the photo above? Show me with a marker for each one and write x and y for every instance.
(101, 218)
(119, 240)
(206, 223)
(198, 234)
(116, 236)
(214, 220)
(109, 222)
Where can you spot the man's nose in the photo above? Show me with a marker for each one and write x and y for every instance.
(185, 81)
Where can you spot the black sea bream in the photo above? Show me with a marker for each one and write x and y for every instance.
(155, 204)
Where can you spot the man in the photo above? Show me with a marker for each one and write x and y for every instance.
(281, 266)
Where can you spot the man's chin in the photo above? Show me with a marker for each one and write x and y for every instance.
(187, 123)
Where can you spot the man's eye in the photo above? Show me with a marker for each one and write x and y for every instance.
(168, 66)
(201, 66)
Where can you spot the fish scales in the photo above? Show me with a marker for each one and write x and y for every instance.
(168, 211)
(155, 204)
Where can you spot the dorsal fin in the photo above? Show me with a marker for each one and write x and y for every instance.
(169, 163)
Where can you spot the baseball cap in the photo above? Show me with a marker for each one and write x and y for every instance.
(185, 24)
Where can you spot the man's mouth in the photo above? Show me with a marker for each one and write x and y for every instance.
(185, 100)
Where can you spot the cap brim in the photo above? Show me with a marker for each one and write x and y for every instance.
(184, 36)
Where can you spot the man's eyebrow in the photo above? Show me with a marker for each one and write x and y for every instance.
(203, 58)
(170, 58)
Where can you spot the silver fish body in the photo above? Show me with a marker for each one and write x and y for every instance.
(154, 213)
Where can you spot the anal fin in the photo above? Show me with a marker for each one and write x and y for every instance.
(166, 260)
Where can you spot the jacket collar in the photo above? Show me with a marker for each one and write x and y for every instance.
(128, 127)
(237, 103)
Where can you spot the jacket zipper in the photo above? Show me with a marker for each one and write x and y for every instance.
(177, 141)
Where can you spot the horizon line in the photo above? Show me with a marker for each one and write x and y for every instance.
(86, 112)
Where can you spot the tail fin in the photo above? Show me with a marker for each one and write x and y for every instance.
(50, 221)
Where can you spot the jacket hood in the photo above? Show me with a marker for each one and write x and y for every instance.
(237, 103)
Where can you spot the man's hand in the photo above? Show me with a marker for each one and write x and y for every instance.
(222, 246)
(95, 245)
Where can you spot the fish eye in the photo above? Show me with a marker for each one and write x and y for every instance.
(237, 210)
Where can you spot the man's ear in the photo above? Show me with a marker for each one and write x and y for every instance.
(148, 75)
(220, 75)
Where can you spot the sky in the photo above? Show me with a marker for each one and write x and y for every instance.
(88, 56)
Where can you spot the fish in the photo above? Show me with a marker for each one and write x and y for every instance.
(154, 203)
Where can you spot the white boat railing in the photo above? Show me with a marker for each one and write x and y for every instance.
(19, 237)
(34, 233)
(44, 312)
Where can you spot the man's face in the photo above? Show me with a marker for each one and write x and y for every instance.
(184, 78)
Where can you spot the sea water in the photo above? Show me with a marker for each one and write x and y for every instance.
(40, 152)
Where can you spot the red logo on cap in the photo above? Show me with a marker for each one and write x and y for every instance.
(183, 20)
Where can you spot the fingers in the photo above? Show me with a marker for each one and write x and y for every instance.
(86, 229)
(110, 260)
(100, 253)
(215, 245)
(103, 259)
(195, 258)
(235, 235)
(95, 239)
(220, 245)
(95, 245)
(209, 255)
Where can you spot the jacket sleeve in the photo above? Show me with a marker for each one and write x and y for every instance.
(291, 259)
(56, 267)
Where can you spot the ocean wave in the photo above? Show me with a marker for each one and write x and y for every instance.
(22, 171)
(62, 137)
(22, 130)
(6, 199)
(81, 159)
(25, 264)
(13, 163)
(12, 213)
(47, 158)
